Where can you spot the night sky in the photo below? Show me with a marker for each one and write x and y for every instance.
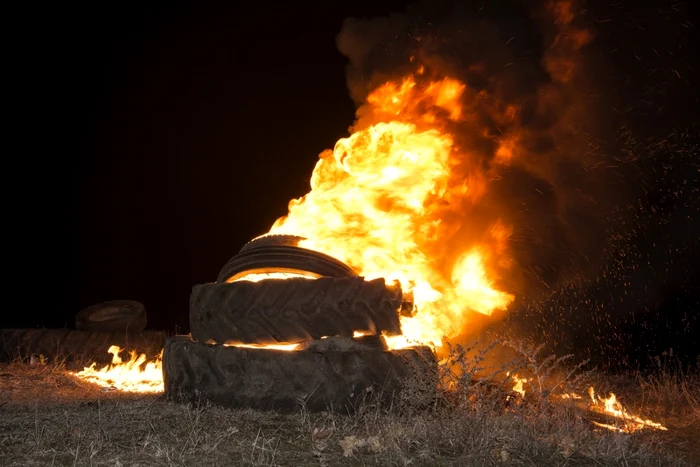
(157, 140)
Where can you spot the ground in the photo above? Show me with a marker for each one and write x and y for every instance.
(47, 417)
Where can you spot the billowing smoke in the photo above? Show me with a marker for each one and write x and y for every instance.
(563, 103)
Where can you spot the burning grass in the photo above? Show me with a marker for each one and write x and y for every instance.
(48, 417)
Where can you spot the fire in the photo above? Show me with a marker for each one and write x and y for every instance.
(286, 347)
(519, 382)
(386, 201)
(611, 406)
(134, 375)
(260, 276)
(607, 406)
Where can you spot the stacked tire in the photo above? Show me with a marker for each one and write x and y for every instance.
(329, 368)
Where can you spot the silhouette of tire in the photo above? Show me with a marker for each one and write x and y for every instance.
(272, 240)
(265, 379)
(278, 253)
(293, 310)
(76, 346)
(114, 315)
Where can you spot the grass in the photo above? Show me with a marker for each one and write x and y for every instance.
(49, 418)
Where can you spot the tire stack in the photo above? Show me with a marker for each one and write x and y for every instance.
(329, 368)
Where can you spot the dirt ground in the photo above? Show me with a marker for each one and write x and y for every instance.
(47, 417)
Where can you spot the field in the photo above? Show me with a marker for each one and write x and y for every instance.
(48, 417)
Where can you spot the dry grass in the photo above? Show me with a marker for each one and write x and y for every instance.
(48, 418)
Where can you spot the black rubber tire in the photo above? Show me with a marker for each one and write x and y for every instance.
(114, 316)
(267, 379)
(293, 310)
(272, 240)
(277, 253)
(74, 346)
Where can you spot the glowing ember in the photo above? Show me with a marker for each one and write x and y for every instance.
(287, 347)
(134, 375)
(393, 342)
(385, 201)
(610, 406)
(260, 276)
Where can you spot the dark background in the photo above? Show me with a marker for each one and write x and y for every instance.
(163, 138)
(154, 141)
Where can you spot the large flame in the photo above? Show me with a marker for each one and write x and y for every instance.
(385, 201)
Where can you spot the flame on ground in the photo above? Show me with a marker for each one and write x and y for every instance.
(519, 382)
(610, 406)
(387, 201)
(133, 375)
(607, 406)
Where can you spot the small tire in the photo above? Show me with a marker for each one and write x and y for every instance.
(266, 379)
(113, 316)
(293, 310)
(279, 253)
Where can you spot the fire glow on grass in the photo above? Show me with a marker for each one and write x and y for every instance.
(133, 375)
(382, 199)
(609, 406)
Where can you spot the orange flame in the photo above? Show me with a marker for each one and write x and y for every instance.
(134, 375)
(261, 276)
(611, 406)
(382, 201)
(286, 347)
(519, 384)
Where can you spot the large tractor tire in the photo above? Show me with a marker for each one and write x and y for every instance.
(279, 253)
(293, 310)
(114, 316)
(265, 379)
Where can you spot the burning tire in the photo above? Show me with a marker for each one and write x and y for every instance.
(115, 315)
(278, 253)
(336, 379)
(293, 310)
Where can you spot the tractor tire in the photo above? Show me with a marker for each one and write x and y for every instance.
(76, 347)
(293, 310)
(278, 253)
(267, 379)
(272, 240)
(114, 316)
